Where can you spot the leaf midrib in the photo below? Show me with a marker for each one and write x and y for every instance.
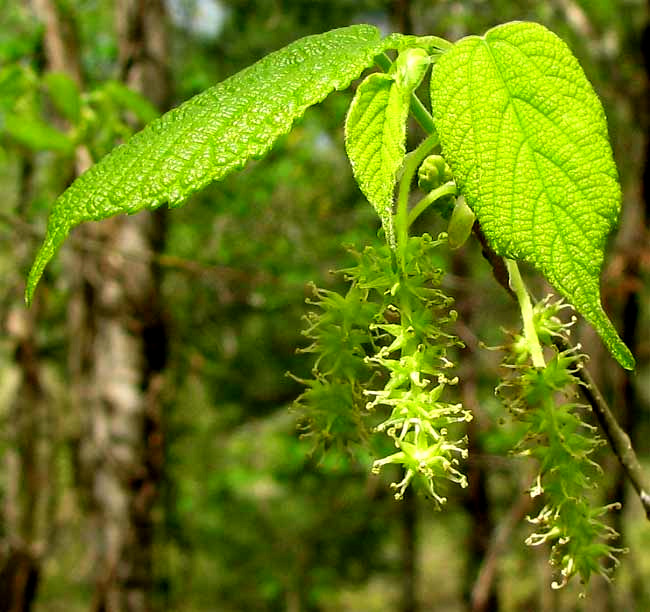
(559, 230)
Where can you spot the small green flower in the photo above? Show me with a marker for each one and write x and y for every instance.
(548, 324)
(386, 341)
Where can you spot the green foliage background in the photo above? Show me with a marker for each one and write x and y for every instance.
(250, 518)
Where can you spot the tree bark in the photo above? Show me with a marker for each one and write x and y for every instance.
(117, 356)
(29, 461)
(120, 447)
(29, 434)
(27, 507)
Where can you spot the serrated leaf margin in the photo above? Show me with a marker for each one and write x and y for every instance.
(260, 96)
(471, 169)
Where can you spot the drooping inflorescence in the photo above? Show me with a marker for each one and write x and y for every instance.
(562, 443)
(381, 353)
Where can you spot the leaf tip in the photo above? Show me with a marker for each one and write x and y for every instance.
(617, 348)
(50, 245)
(35, 275)
(624, 356)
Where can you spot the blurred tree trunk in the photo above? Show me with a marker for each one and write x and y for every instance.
(118, 351)
(29, 506)
(28, 429)
(400, 16)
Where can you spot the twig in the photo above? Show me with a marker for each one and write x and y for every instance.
(616, 436)
(499, 268)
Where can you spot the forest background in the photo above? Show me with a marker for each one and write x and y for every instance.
(150, 457)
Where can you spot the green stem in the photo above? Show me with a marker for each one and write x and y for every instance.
(418, 110)
(411, 163)
(520, 291)
(446, 189)
(422, 115)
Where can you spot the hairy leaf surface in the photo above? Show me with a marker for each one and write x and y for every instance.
(211, 134)
(526, 137)
(375, 131)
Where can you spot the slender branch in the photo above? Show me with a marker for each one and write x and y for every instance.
(497, 263)
(410, 166)
(448, 188)
(499, 541)
(615, 434)
(618, 440)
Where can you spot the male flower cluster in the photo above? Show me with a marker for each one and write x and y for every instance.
(386, 341)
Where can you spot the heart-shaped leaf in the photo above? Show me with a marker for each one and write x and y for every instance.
(526, 138)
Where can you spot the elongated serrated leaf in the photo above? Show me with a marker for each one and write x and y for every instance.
(526, 137)
(375, 131)
(211, 134)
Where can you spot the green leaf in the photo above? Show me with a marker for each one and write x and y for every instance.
(375, 135)
(375, 131)
(526, 138)
(36, 134)
(211, 134)
(432, 44)
(65, 94)
(15, 81)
